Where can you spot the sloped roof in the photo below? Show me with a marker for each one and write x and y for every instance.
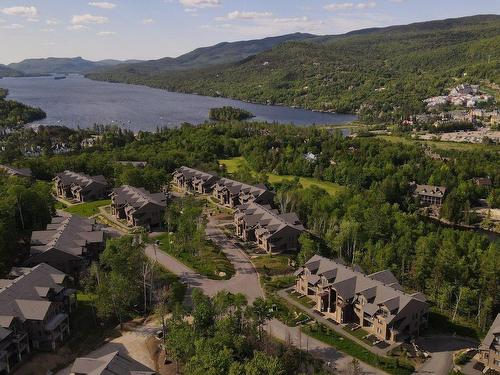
(110, 364)
(22, 298)
(19, 172)
(70, 234)
(430, 190)
(236, 188)
(83, 180)
(380, 288)
(266, 220)
(137, 197)
(492, 332)
(190, 173)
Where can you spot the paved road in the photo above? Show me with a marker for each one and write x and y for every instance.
(246, 281)
(441, 349)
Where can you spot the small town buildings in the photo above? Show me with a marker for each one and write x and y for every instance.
(272, 231)
(35, 304)
(375, 302)
(136, 164)
(138, 207)
(482, 181)
(109, 364)
(489, 350)
(429, 194)
(16, 172)
(311, 157)
(193, 180)
(232, 193)
(68, 244)
(80, 187)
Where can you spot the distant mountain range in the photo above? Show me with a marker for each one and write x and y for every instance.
(56, 65)
(381, 73)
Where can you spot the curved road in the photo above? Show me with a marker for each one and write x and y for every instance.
(246, 281)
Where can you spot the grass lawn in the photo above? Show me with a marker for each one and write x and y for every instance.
(233, 164)
(271, 265)
(304, 301)
(343, 344)
(454, 146)
(209, 261)
(87, 209)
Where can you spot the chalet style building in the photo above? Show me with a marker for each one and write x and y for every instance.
(489, 350)
(192, 180)
(16, 172)
(109, 364)
(68, 244)
(428, 194)
(138, 207)
(232, 193)
(34, 308)
(272, 231)
(80, 187)
(375, 302)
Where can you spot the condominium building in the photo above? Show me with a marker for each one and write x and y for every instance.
(375, 302)
(80, 187)
(489, 350)
(232, 193)
(69, 243)
(114, 363)
(138, 207)
(193, 180)
(35, 304)
(429, 194)
(272, 231)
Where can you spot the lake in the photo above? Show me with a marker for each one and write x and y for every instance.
(80, 102)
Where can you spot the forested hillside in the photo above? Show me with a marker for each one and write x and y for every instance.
(13, 114)
(5, 71)
(382, 73)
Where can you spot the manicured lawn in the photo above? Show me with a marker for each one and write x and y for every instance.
(271, 265)
(342, 343)
(209, 260)
(304, 301)
(233, 164)
(87, 209)
(456, 146)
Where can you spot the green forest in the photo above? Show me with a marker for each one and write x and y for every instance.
(13, 114)
(382, 74)
(374, 222)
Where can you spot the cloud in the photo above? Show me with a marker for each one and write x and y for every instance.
(345, 6)
(102, 4)
(238, 15)
(52, 22)
(200, 3)
(148, 21)
(13, 26)
(28, 12)
(85, 19)
(77, 27)
(48, 30)
(106, 33)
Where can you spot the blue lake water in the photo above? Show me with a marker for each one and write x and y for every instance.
(79, 102)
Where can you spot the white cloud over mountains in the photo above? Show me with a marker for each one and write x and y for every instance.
(102, 4)
(86, 19)
(200, 3)
(348, 6)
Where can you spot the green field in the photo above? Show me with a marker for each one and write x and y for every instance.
(233, 164)
(87, 209)
(454, 146)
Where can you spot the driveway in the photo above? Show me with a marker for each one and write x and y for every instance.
(246, 281)
(441, 349)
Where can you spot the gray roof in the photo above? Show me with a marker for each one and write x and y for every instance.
(430, 190)
(22, 298)
(380, 288)
(489, 339)
(265, 220)
(137, 197)
(70, 234)
(110, 364)
(195, 175)
(68, 178)
(236, 188)
(19, 172)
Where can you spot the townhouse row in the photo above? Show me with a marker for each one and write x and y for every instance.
(255, 219)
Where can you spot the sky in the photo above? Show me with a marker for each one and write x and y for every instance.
(151, 29)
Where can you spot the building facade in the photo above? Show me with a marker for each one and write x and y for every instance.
(80, 187)
(375, 302)
(489, 350)
(69, 244)
(192, 180)
(35, 304)
(429, 195)
(232, 193)
(270, 230)
(138, 207)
